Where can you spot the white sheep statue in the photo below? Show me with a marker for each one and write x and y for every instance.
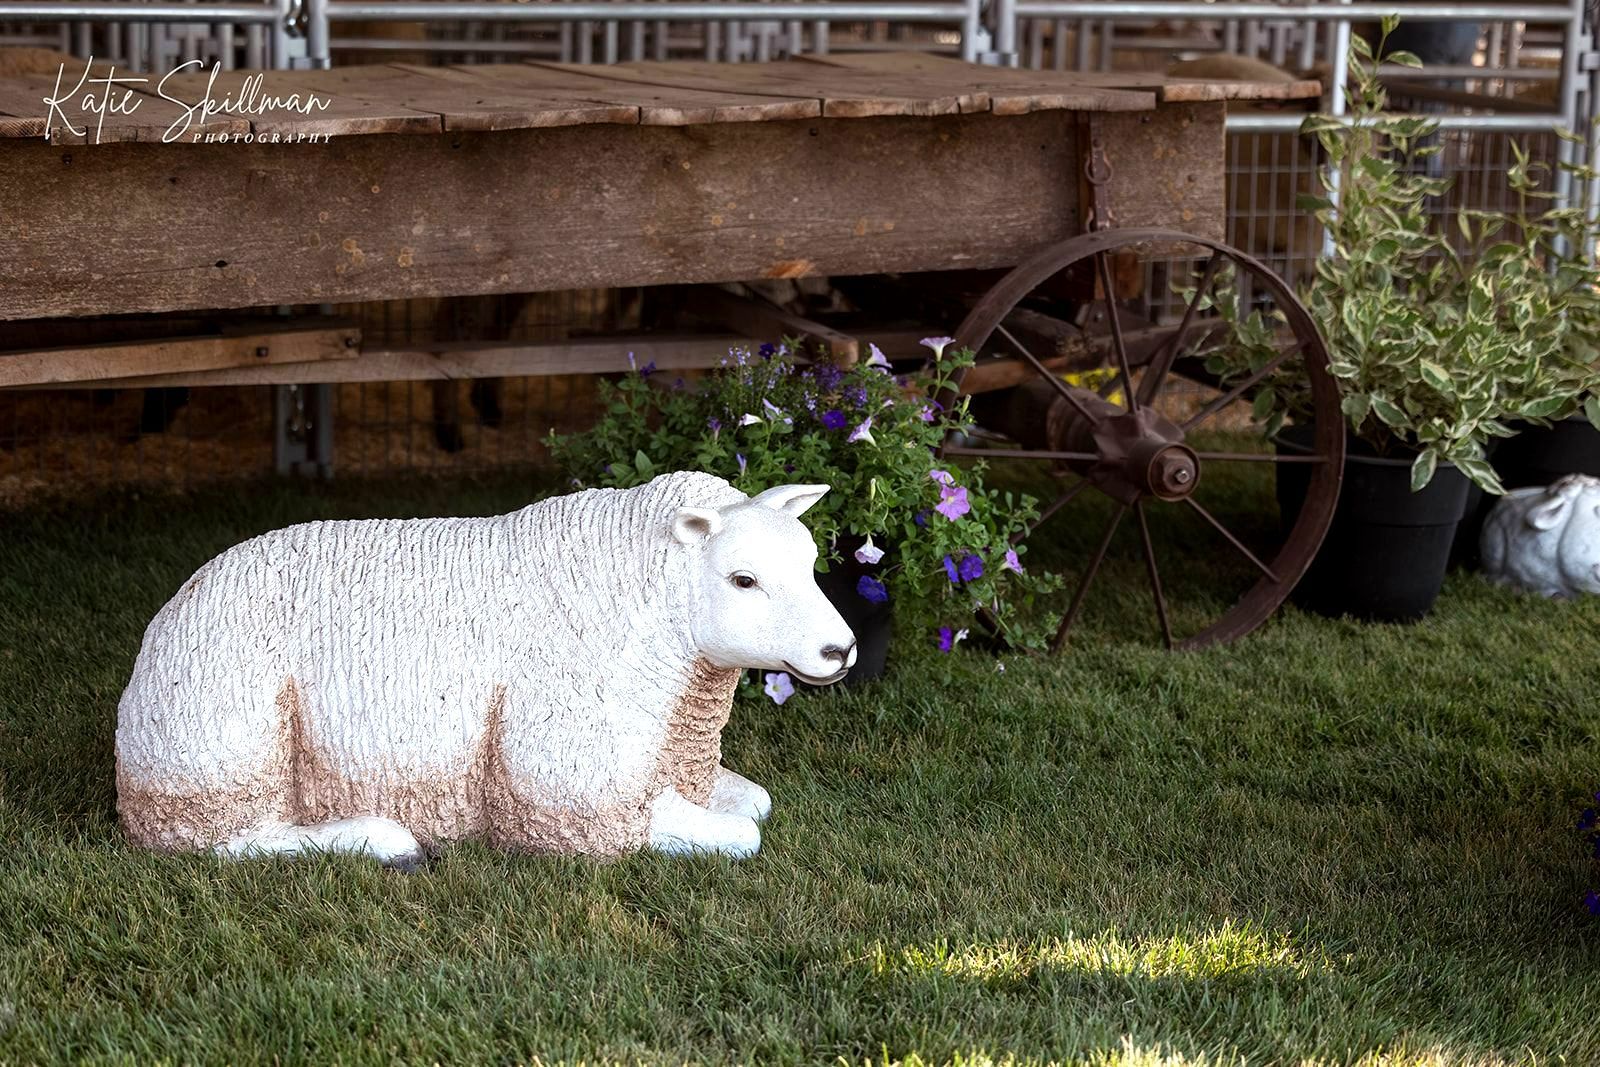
(1546, 539)
(553, 680)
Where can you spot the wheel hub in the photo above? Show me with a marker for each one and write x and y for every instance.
(1167, 470)
(1143, 454)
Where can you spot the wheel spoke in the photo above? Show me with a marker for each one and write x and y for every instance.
(1243, 387)
(1021, 453)
(1103, 262)
(1232, 540)
(1155, 575)
(1055, 505)
(1088, 579)
(1156, 373)
(1258, 457)
(1044, 372)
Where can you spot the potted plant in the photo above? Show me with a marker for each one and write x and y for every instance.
(1435, 350)
(899, 534)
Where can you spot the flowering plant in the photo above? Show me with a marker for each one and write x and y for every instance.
(937, 542)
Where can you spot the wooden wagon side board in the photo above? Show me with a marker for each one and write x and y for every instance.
(392, 217)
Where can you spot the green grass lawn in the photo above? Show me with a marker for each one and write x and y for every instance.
(1331, 842)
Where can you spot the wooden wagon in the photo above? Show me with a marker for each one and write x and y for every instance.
(409, 182)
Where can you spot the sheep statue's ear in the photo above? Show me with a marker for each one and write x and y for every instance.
(792, 500)
(1550, 512)
(692, 525)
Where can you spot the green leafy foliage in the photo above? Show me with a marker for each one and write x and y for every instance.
(1436, 347)
(766, 419)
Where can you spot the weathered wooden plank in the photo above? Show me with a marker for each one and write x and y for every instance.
(133, 112)
(760, 321)
(1185, 89)
(659, 104)
(95, 364)
(841, 91)
(1010, 92)
(290, 104)
(1164, 168)
(21, 110)
(457, 361)
(378, 218)
(1181, 89)
(468, 102)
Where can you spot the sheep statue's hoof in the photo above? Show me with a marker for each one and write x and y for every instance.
(679, 827)
(555, 680)
(1546, 540)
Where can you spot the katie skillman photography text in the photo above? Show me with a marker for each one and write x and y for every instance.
(96, 97)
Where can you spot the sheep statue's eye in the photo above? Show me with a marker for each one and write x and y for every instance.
(744, 581)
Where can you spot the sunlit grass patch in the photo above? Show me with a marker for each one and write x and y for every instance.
(1229, 950)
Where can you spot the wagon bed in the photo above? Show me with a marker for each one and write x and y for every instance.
(525, 177)
(412, 182)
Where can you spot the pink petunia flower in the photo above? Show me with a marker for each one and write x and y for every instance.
(953, 502)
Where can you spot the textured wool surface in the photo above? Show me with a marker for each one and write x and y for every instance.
(529, 678)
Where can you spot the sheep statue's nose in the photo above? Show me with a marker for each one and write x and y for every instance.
(844, 657)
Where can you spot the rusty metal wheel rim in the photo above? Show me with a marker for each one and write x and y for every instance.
(1299, 546)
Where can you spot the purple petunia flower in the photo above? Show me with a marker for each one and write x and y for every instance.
(648, 369)
(714, 424)
(920, 518)
(775, 412)
(857, 395)
(768, 350)
(1592, 902)
(942, 477)
(971, 568)
(871, 589)
(779, 687)
(740, 457)
(834, 419)
(953, 502)
(876, 359)
(947, 639)
(868, 553)
(862, 432)
(1012, 562)
(937, 344)
(749, 419)
(926, 414)
(1587, 819)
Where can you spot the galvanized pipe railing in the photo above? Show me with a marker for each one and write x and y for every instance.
(1247, 10)
(270, 12)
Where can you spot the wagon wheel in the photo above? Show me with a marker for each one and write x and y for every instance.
(1152, 440)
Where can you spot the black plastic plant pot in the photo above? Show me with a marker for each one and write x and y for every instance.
(1537, 455)
(870, 621)
(1385, 555)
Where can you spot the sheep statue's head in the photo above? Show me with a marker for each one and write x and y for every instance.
(754, 601)
(1571, 507)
